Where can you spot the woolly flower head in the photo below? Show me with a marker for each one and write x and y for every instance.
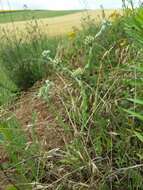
(56, 61)
(48, 85)
(45, 91)
(46, 53)
(89, 40)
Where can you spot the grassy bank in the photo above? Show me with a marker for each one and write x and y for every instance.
(78, 121)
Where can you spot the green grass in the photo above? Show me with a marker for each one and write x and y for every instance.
(91, 90)
(21, 62)
(22, 59)
(13, 16)
(7, 87)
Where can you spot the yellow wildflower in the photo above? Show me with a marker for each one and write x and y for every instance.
(71, 35)
(130, 122)
(123, 42)
(115, 15)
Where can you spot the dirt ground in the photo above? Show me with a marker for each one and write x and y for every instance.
(33, 112)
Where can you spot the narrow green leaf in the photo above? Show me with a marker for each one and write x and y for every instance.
(139, 136)
(137, 101)
(134, 114)
(137, 68)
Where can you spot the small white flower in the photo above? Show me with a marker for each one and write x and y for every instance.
(46, 53)
(89, 40)
(45, 91)
(47, 82)
(37, 186)
(56, 61)
(104, 25)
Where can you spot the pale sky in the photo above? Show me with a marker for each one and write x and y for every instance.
(60, 4)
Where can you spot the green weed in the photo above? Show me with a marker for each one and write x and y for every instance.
(22, 59)
(105, 151)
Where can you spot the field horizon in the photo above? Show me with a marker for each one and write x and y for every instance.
(23, 15)
(55, 25)
(7, 16)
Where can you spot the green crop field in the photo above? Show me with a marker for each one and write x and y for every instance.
(9, 16)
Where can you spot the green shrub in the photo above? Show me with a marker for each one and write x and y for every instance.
(22, 58)
(100, 83)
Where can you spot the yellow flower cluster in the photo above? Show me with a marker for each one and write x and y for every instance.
(123, 42)
(71, 35)
(130, 122)
(114, 16)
